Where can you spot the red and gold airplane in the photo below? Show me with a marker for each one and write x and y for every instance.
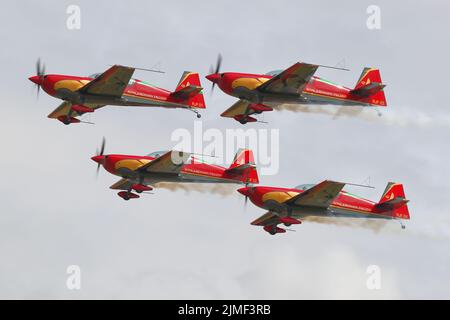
(296, 85)
(140, 173)
(115, 87)
(288, 206)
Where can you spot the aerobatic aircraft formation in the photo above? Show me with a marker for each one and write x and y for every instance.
(256, 93)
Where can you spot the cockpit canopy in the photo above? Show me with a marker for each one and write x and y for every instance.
(96, 75)
(305, 186)
(274, 73)
(157, 154)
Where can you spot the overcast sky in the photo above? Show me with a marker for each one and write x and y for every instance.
(177, 244)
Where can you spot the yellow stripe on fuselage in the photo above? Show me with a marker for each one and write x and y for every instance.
(249, 83)
(72, 85)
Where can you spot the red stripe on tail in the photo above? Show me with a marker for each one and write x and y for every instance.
(369, 88)
(393, 202)
(243, 167)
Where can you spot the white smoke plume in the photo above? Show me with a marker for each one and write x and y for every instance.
(389, 116)
(214, 188)
(375, 225)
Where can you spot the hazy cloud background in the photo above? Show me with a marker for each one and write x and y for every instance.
(54, 212)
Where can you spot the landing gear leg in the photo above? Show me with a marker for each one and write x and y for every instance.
(196, 113)
(289, 214)
(68, 116)
(272, 231)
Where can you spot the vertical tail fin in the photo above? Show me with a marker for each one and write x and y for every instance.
(188, 79)
(189, 91)
(393, 202)
(243, 167)
(369, 87)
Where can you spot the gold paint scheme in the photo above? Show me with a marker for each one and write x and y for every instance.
(279, 197)
(249, 83)
(240, 107)
(72, 85)
(131, 164)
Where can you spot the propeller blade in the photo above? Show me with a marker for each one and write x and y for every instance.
(219, 63)
(102, 150)
(216, 70)
(40, 72)
(38, 66)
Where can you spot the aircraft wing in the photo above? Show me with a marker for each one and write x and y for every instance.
(170, 162)
(111, 83)
(64, 109)
(122, 184)
(321, 195)
(241, 107)
(291, 81)
(267, 219)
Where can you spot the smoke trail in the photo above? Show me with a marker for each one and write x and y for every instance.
(437, 230)
(375, 225)
(214, 188)
(392, 116)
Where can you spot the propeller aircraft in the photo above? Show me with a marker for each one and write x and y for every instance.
(296, 85)
(288, 206)
(116, 87)
(143, 173)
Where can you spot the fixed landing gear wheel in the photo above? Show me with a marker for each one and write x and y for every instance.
(272, 232)
(66, 122)
(287, 224)
(199, 115)
(126, 198)
(243, 121)
(138, 191)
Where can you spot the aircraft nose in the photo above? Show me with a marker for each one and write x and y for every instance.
(98, 159)
(246, 191)
(213, 77)
(35, 79)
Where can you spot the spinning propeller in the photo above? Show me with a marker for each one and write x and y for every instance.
(40, 73)
(216, 70)
(99, 158)
(246, 185)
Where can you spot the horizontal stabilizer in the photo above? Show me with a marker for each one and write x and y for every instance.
(368, 90)
(186, 92)
(393, 202)
(243, 167)
(189, 91)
